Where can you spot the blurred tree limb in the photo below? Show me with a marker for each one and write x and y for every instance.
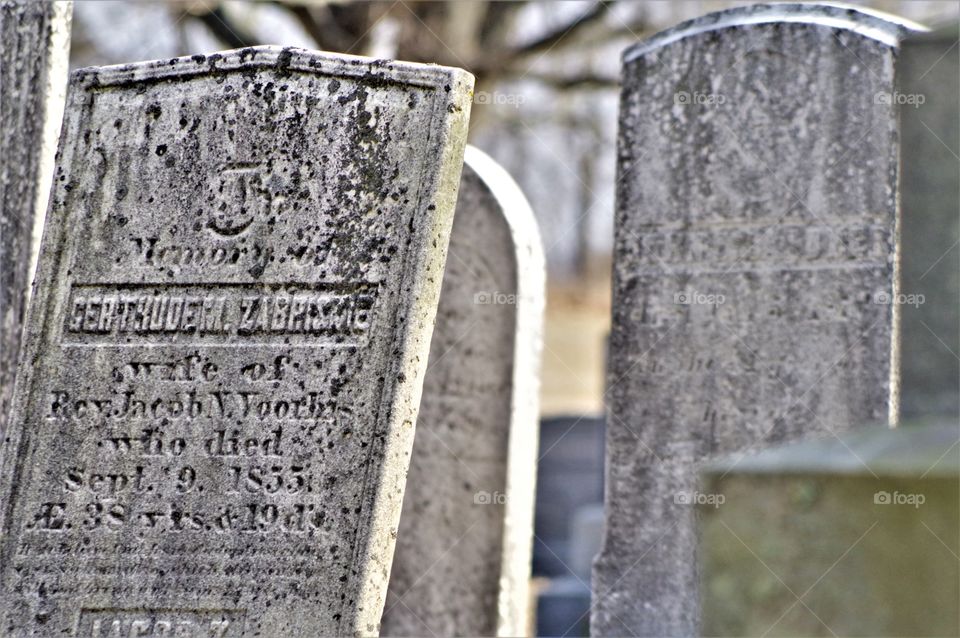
(222, 27)
(477, 35)
(553, 38)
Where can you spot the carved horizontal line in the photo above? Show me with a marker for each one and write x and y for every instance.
(691, 269)
(207, 344)
(762, 225)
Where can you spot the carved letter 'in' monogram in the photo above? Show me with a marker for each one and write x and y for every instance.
(241, 195)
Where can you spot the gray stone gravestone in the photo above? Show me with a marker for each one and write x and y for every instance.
(851, 537)
(929, 98)
(34, 45)
(462, 561)
(224, 356)
(755, 231)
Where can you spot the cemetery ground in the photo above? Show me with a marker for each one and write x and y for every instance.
(420, 318)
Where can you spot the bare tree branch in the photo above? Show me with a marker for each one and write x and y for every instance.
(635, 30)
(580, 81)
(494, 65)
(498, 22)
(345, 27)
(549, 40)
(220, 25)
(352, 23)
(304, 16)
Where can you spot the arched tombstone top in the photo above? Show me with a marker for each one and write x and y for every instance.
(528, 255)
(473, 468)
(759, 91)
(517, 213)
(883, 27)
(755, 259)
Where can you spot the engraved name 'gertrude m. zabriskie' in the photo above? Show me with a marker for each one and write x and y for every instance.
(236, 290)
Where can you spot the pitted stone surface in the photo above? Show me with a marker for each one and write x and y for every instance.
(755, 242)
(34, 44)
(462, 562)
(238, 282)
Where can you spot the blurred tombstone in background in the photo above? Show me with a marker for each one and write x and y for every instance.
(856, 536)
(569, 477)
(563, 605)
(929, 98)
(569, 509)
(753, 272)
(34, 46)
(462, 560)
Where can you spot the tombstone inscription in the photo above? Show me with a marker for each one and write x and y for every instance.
(753, 267)
(238, 281)
(34, 45)
(462, 561)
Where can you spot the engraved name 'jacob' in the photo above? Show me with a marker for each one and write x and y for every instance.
(230, 310)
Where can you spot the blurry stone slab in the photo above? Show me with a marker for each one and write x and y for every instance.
(569, 478)
(34, 46)
(865, 531)
(563, 607)
(586, 533)
(755, 235)
(462, 561)
(929, 98)
(239, 277)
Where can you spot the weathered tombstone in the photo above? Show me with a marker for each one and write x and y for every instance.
(34, 45)
(929, 98)
(462, 561)
(755, 225)
(238, 282)
(851, 537)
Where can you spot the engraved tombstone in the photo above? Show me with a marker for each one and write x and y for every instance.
(34, 44)
(462, 561)
(755, 237)
(929, 98)
(238, 281)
